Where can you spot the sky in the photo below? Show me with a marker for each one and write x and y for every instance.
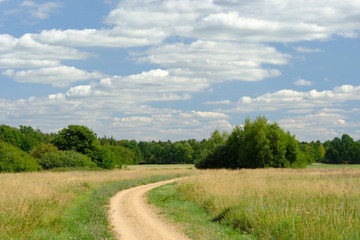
(175, 70)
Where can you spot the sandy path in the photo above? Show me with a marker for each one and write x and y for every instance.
(134, 219)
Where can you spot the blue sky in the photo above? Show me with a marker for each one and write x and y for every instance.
(169, 69)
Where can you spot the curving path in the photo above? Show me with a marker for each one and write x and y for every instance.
(133, 219)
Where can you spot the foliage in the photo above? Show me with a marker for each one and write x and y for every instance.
(103, 157)
(311, 152)
(344, 150)
(30, 138)
(13, 159)
(133, 147)
(78, 138)
(257, 144)
(10, 135)
(25, 138)
(179, 152)
(61, 159)
(39, 151)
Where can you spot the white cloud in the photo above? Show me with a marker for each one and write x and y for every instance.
(321, 126)
(307, 50)
(98, 105)
(209, 114)
(218, 61)
(261, 21)
(40, 11)
(59, 76)
(302, 82)
(25, 52)
(220, 102)
(115, 37)
(292, 100)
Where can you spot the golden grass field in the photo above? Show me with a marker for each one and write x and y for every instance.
(282, 203)
(318, 203)
(32, 200)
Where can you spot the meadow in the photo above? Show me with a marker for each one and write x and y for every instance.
(45, 205)
(314, 203)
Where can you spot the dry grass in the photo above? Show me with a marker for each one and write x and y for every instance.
(33, 200)
(282, 203)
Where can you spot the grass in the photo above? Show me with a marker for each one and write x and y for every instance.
(324, 165)
(65, 205)
(190, 216)
(281, 203)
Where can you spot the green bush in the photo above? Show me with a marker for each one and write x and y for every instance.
(257, 144)
(13, 159)
(65, 159)
(39, 151)
(103, 157)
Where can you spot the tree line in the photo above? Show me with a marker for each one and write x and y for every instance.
(256, 144)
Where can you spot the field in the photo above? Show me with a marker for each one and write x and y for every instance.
(41, 205)
(320, 203)
(312, 203)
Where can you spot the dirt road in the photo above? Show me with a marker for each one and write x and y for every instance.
(134, 219)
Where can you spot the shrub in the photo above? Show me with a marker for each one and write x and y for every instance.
(65, 159)
(39, 151)
(13, 159)
(257, 144)
(103, 157)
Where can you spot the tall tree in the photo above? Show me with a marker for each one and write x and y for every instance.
(77, 138)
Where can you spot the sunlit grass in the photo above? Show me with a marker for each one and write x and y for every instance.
(281, 203)
(323, 165)
(33, 201)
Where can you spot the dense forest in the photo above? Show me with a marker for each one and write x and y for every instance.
(256, 144)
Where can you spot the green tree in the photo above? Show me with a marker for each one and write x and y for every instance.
(178, 152)
(10, 135)
(75, 137)
(30, 138)
(344, 150)
(257, 144)
(13, 159)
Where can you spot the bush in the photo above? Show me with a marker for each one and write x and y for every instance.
(65, 159)
(13, 159)
(39, 151)
(257, 144)
(103, 157)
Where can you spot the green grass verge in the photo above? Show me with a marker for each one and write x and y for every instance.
(324, 165)
(196, 222)
(87, 217)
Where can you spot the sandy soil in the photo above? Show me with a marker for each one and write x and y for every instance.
(133, 219)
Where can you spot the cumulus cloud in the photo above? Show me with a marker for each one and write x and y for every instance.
(40, 11)
(290, 99)
(115, 37)
(302, 82)
(25, 52)
(322, 125)
(218, 61)
(59, 76)
(195, 43)
(262, 21)
(307, 50)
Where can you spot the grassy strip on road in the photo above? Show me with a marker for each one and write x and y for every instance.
(64, 205)
(88, 218)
